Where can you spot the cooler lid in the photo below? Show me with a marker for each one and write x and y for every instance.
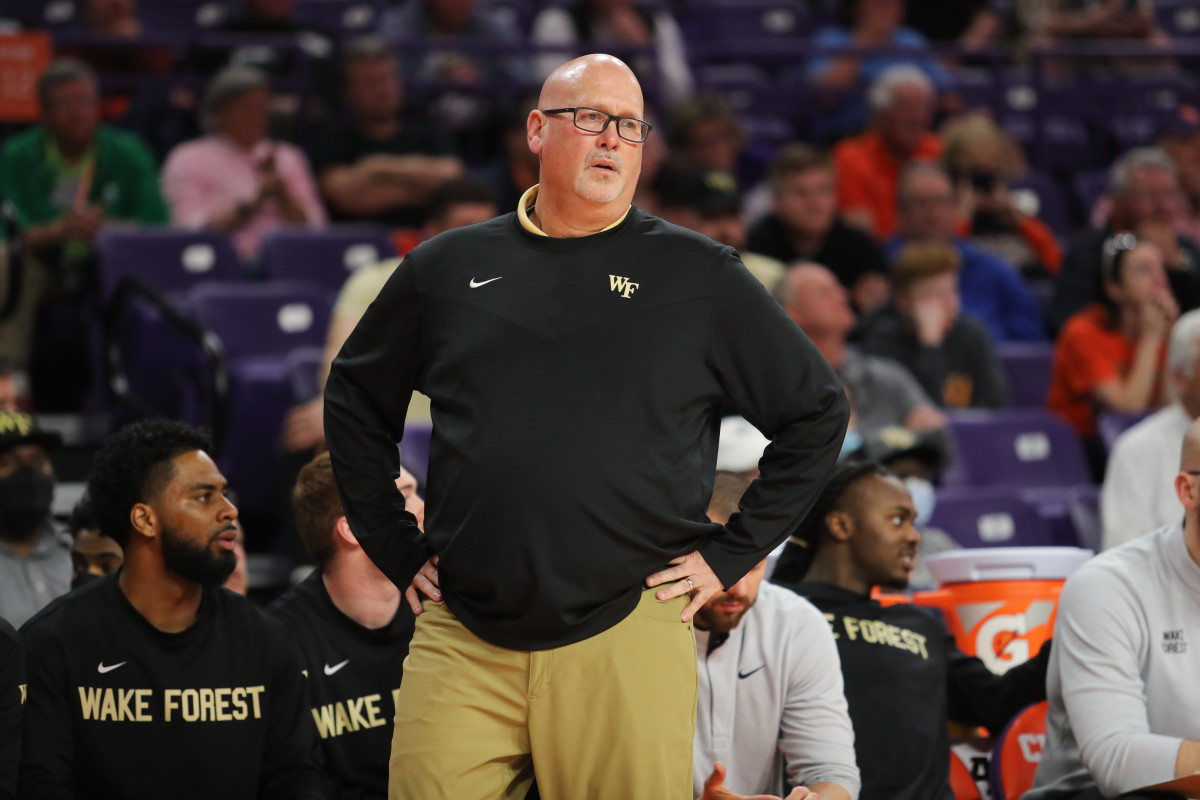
(1006, 564)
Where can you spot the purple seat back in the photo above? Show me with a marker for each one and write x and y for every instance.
(989, 517)
(347, 17)
(263, 319)
(1112, 424)
(324, 257)
(1019, 448)
(1027, 367)
(183, 15)
(750, 19)
(1089, 186)
(167, 260)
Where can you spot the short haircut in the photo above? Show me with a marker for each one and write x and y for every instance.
(728, 488)
(1184, 344)
(959, 136)
(883, 91)
(1138, 158)
(917, 261)
(60, 72)
(229, 85)
(459, 192)
(798, 556)
(133, 466)
(366, 48)
(83, 516)
(688, 114)
(316, 508)
(796, 159)
(915, 170)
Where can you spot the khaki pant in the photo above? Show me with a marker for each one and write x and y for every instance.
(612, 716)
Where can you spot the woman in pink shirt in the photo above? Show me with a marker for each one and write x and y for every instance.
(236, 179)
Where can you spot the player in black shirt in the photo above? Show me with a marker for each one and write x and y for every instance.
(353, 633)
(12, 708)
(154, 682)
(904, 675)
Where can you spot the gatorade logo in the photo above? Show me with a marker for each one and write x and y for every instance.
(997, 645)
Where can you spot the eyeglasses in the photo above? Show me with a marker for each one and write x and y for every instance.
(592, 120)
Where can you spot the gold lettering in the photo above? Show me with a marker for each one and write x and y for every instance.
(343, 721)
(921, 644)
(24, 687)
(142, 706)
(126, 711)
(170, 701)
(240, 711)
(356, 718)
(851, 627)
(254, 692)
(222, 697)
(323, 716)
(372, 703)
(191, 705)
(108, 707)
(870, 633)
(89, 698)
(832, 628)
(208, 706)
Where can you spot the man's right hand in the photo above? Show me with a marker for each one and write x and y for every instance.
(714, 789)
(425, 582)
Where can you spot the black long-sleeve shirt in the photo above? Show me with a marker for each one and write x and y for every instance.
(904, 676)
(12, 708)
(575, 388)
(118, 708)
(353, 676)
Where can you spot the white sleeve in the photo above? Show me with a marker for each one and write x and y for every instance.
(672, 59)
(816, 736)
(1126, 504)
(1101, 641)
(552, 26)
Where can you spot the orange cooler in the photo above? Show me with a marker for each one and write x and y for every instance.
(1000, 602)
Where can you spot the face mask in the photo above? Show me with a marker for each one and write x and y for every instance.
(923, 499)
(25, 498)
(851, 444)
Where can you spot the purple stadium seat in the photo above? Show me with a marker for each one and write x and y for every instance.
(168, 260)
(347, 17)
(989, 517)
(1027, 367)
(183, 15)
(258, 326)
(1112, 424)
(750, 19)
(326, 257)
(1179, 19)
(1051, 206)
(1089, 185)
(1019, 448)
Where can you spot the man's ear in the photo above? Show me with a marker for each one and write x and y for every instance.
(1186, 491)
(345, 536)
(535, 127)
(839, 525)
(144, 521)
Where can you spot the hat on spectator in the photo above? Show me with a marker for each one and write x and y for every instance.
(17, 427)
(893, 443)
(687, 185)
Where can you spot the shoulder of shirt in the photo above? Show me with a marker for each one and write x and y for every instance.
(1147, 433)
(65, 609)
(1115, 576)
(646, 223)
(452, 242)
(298, 603)
(1088, 320)
(783, 608)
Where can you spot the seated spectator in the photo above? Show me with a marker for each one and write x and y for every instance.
(1123, 711)
(213, 684)
(1044, 23)
(236, 179)
(116, 19)
(353, 631)
(707, 201)
(992, 291)
(950, 354)
(516, 168)
(804, 226)
(788, 722)
(456, 204)
(707, 131)
(980, 159)
(1180, 140)
(1110, 355)
(970, 24)
(1144, 186)
(866, 24)
(901, 687)
(35, 565)
(12, 708)
(869, 166)
(627, 24)
(884, 393)
(67, 178)
(93, 555)
(1138, 495)
(380, 163)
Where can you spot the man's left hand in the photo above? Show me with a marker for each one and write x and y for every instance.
(714, 789)
(692, 575)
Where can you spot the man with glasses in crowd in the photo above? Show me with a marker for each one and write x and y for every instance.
(576, 354)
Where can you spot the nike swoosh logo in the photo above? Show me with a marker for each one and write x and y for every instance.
(330, 670)
(476, 284)
(103, 669)
(751, 672)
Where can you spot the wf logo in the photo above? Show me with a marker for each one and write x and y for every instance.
(623, 285)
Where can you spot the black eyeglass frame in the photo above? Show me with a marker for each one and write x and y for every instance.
(574, 112)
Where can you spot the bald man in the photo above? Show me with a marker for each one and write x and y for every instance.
(576, 353)
(1124, 711)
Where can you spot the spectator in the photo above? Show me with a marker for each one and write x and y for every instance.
(236, 179)
(970, 24)
(707, 201)
(869, 166)
(380, 163)
(804, 226)
(991, 291)
(884, 393)
(152, 644)
(630, 26)
(1123, 711)
(516, 168)
(1045, 23)
(457, 204)
(1110, 355)
(12, 708)
(353, 633)
(790, 723)
(949, 353)
(1144, 186)
(10, 393)
(35, 566)
(868, 24)
(906, 677)
(707, 131)
(980, 159)
(1180, 140)
(93, 555)
(116, 19)
(1138, 495)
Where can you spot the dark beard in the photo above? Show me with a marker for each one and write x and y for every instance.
(196, 563)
